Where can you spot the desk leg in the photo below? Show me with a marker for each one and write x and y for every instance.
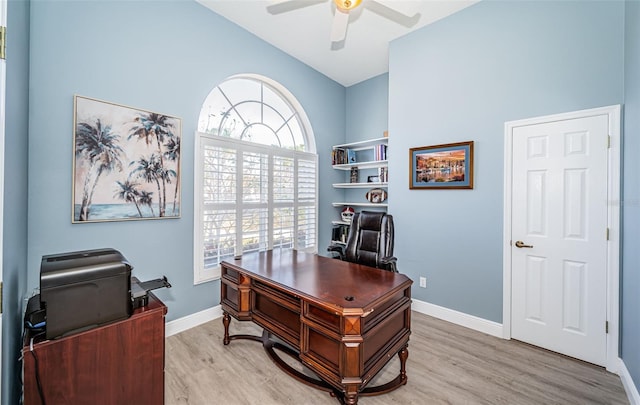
(403, 354)
(226, 319)
(351, 395)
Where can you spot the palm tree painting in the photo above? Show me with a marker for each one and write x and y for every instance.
(126, 163)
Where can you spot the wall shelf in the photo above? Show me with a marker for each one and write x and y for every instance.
(370, 158)
(359, 204)
(360, 185)
(362, 144)
(362, 165)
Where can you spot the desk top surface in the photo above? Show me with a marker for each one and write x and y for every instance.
(322, 279)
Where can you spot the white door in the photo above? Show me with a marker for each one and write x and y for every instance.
(559, 236)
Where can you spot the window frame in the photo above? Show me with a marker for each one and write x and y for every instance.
(202, 139)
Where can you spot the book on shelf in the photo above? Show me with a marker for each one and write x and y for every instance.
(383, 174)
(340, 233)
(380, 152)
(342, 156)
(338, 156)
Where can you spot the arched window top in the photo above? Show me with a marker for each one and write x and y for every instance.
(255, 109)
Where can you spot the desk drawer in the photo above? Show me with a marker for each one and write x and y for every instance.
(329, 320)
(277, 312)
(234, 293)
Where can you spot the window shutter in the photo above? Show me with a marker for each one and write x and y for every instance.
(218, 208)
(254, 196)
(307, 204)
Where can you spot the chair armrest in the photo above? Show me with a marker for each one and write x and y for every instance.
(339, 249)
(389, 263)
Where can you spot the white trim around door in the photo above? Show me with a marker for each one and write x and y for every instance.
(613, 218)
(3, 86)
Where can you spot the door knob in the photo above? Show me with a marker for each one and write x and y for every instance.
(520, 244)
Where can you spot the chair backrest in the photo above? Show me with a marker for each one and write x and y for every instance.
(370, 238)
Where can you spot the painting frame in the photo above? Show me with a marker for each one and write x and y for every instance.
(126, 163)
(446, 166)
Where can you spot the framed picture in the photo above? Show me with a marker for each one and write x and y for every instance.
(126, 163)
(373, 179)
(441, 166)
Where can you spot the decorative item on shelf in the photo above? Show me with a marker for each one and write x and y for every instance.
(347, 214)
(385, 134)
(373, 179)
(354, 175)
(376, 195)
(441, 166)
(351, 156)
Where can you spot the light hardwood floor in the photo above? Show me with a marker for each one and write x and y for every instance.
(448, 364)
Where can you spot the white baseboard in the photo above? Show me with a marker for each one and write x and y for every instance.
(191, 321)
(459, 318)
(446, 314)
(628, 384)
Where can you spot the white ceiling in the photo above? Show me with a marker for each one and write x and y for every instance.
(304, 32)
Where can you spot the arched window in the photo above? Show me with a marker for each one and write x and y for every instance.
(256, 174)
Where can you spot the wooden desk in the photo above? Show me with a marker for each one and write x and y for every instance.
(118, 363)
(344, 321)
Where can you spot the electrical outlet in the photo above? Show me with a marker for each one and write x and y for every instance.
(423, 282)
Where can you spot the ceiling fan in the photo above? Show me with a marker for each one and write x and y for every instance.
(401, 12)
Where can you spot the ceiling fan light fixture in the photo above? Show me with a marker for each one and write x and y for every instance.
(347, 5)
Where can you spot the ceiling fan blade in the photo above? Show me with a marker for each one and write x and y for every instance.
(283, 6)
(339, 27)
(402, 12)
(405, 7)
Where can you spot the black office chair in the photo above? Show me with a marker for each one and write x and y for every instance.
(370, 241)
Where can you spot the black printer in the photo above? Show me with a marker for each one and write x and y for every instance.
(81, 290)
(85, 289)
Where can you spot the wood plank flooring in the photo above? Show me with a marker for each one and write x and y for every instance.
(448, 364)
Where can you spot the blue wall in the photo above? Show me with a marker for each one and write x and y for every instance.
(630, 310)
(14, 249)
(460, 79)
(161, 56)
(367, 109)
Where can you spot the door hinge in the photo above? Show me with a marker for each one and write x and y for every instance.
(607, 233)
(3, 42)
(608, 141)
(606, 327)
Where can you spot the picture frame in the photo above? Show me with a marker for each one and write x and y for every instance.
(373, 179)
(447, 166)
(126, 163)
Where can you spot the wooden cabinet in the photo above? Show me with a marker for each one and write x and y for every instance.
(118, 363)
